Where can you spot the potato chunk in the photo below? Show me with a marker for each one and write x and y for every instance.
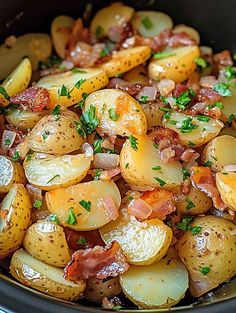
(226, 184)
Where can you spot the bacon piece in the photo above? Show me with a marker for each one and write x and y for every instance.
(208, 95)
(118, 83)
(179, 90)
(75, 239)
(140, 209)
(78, 33)
(108, 175)
(111, 207)
(119, 34)
(34, 99)
(203, 108)
(98, 262)
(223, 58)
(203, 179)
(193, 81)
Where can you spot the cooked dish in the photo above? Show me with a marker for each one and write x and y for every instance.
(118, 160)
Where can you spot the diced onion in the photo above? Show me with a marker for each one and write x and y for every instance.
(8, 139)
(106, 161)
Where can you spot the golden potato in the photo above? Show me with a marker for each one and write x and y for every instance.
(193, 132)
(177, 67)
(24, 120)
(208, 255)
(219, 152)
(138, 162)
(11, 172)
(14, 219)
(43, 277)
(55, 135)
(85, 206)
(160, 285)
(142, 243)
(138, 75)
(226, 184)
(181, 28)
(118, 112)
(46, 242)
(68, 88)
(153, 114)
(229, 108)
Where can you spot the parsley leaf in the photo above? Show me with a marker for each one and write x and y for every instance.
(163, 54)
(127, 165)
(37, 204)
(81, 241)
(201, 63)
(147, 23)
(133, 142)
(156, 168)
(4, 93)
(223, 89)
(16, 156)
(187, 125)
(50, 62)
(54, 218)
(160, 181)
(7, 142)
(71, 219)
(64, 92)
(205, 270)
(98, 173)
(86, 205)
(50, 180)
(79, 83)
(229, 72)
(97, 146)
(80, 129)
(196, 230)
(203, 118)
(184, 99)
(143, 99)
(57, 112)
(230, 120)
(78, 70)
(89, 120)
(208, 163)
(113, 116)
(184, 223)
(167, 115)
(105, 52)
(190, 204)
(186, 173)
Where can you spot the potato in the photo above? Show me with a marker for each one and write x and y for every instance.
(137, 166)
(60, 29)
(46, 242)
(85, 206)
(177, 67)
(43, 277)
(17, 81)
(124, 60)
(220, 151)
(181, 28)
(151, 23)
(36, 46)
(24, 120)
(226, 184)
(153, 114)
(210, 255)
(142, 243)
(138, 75)
(204, 132)
(11, 172)
(118, 112)
(229, 108)
(228, 131)
(194, 203)
(69, 87)
(49, 172)
(160, 285)
(97, 289)
(14, 219)
(116, 14)
(55, 135)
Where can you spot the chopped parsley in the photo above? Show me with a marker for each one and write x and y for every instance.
(191, 144)
(196, 230)
(105, 52)
(190, 204)
(80, 129)
(133, 142)
(127, 165)
(29, 157)
(71, 219)
(223, 89)
(208, 163)
(37, 204)
(86, 205)
(117, 307)
(64, 92)
(165, 109)
(201, 63)
(182, 101)
(203, 118)
(7, 142)
(78, 70)
(54, 218)
(204, 270)
(234, 56)
(172, 122)
(186, 173)
(143, 99)
(79, 83)
(44, 135)
(81, 241)
(147, 23)
(130, 198)
(230, 119)
(4, 93)
(160, 181)
(185, 225)
(89, 120)
(16, 156)
(163, 54)
(229, 72)
(98, 173)
(57, 112)
(187, 125)
(167, 115)
(99, 32)
(50, 62)
(113, 115)
(50, 180)
(155, 145)
(156, 168)
(82, 102)
(216, 104)
(97, 146)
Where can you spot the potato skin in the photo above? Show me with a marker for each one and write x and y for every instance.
(214, 248)
(226, 184)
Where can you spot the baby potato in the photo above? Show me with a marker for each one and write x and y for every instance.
(209, 255)
(60, 29)
(116, 14)
(55, 135)
(49, 172)
(138, 162)
(192, 131)
(220, 151)
(194, 203)
(36, 46)
(97, 289)
(229, 108)
(14, 219)
(160, 285)
(43, 277)
(69, 87)
(226, 185)
(151, 23)
(137, 75)
(24, 120)
(124, 60)
(142, 243)
(176, 67)
(153, 114)
(11, 172)
(118, 112)
(85, 206)
(181, 28)
(46, 242)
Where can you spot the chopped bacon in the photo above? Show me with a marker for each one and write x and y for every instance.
(34, 99)
(208, 95)
(78, 33)
(111, 208)
(158, 133)
(179, 89)
(121, 84)
(223, 58)
(193, 81)
(90, 238)
(202, 178)
(119, 34)
(203, 108)
(140, 209)
(98, 262)
(108, 175)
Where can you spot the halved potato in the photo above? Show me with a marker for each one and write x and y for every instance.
(11, 172)
(24, 120)
(36, 46)
(142, 243)
(160, 285)
(43, 277)
(153, 114)
(49, 172)
(46, 242)
(116, 14)
(229, 108)
(151, 23)
(181, 28)
(60, 29)
(56, 134)
(118, 112)
(226, 184)
(85, 206)
(14, 219)
(124, 60)
(68, 88)
(138, 166)
(189, 136)
(17, 81)
(220, 151)
(177, 67)
(138, 75)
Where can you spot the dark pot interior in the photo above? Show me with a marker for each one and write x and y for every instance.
(214, 19)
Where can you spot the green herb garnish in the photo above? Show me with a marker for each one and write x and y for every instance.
(208, 163)
(16, 156)
(160, 181)
(203, 118)
(4, 93)
(78, 70)
(190, 204)
(82, 102)
(64, 92)
(97, 146)
(147, 23)
(186, 173)
(133, 142)
(97, 174)
(143, 99)
(196, 230)
(201, 63)
(127, 165)
(50, 180)
(79, 83)
(184, 223)
(54, 218)
(37, 204)
(156, 168)
(7, 142)
(89, 120)
(86, 205)
(105, 52)
(230, 119)
(113, 115)
(223, 89)
(71, 219)
(81, 241)
(163, 54)
(187, 125)
(57, 112)
(50, 62)
(205, 270)
(99, 32)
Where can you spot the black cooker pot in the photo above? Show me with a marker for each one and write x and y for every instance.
(214, 19)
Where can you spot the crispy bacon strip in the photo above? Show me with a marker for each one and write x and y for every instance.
(98, 262)
(83, 239)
